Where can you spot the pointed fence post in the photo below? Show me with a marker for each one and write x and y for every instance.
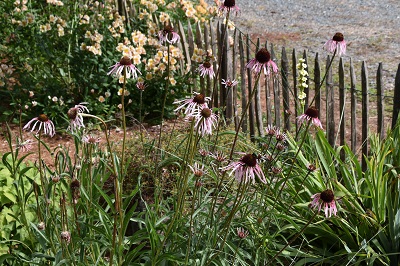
(330, 105)
(285, 89)
(365, 116)
(396, 98)
(214, 45)
(317, 82)
(381, 99)
(277, 97)
(257, 102)
(295, 74)
(243, 81)
(233, 77)
(250, 89)
(268, 97)
(342, 97)
(353, 107)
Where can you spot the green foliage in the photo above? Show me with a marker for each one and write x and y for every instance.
(57, 55)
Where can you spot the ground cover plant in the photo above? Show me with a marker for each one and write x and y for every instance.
(199, 194)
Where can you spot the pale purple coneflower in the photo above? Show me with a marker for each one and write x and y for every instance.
(229, 83)
(271, 130)
(75, 119)
(262, 61)
(310, 114)
(218, 156)
(246, 169)
(280, 136)
(311, 167)
(336, 43)
(42, 121)
(66, 236)
(228, 6)
(192, 104)
(205, 120)
(141, 86)
(125, 62)
(91, 139)
(168, 35)
(24, 146)
(241, 233)
(204, 152)
(325, 199)
(206, 68)
(41, 226)
(197, 170)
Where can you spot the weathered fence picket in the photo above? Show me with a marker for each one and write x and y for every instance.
(380, 101)
(330, 104)
(353, 113)
(242, 61)
(396, 98)
(342, 106)
(365, 110)
(285, 89)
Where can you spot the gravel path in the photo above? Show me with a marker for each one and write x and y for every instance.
(371, 27)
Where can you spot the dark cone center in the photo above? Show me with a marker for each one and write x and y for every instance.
(75, 184)
(338, 37)
(250, 160)
(43, 118)
(207, 64)
(312, 112)
(311, 168)
(72, 113)
(125, 61)
(229, 3)
(327, 196)
(168, 29)
(199, 99)
(206, 112)
(263, 56)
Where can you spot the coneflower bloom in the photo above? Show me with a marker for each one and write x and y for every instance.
(325, 199)
(310, 114)
(42, 121)
(66, 237)
(168, 35)
(141, 86)
(336, 43)
(205, 120)
(229, 5)
(197, 170)
(280, 136)
(229, 83)
(24, 146)
(218, 156)
(271, 130)
(90, 139)
(125, 62)
(192, 104)
(203, 152)
(206, 69)
(75, 119)
(262, 61)
(246, 169)
(241, 233)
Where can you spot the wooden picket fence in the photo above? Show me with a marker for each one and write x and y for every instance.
(349, 108)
